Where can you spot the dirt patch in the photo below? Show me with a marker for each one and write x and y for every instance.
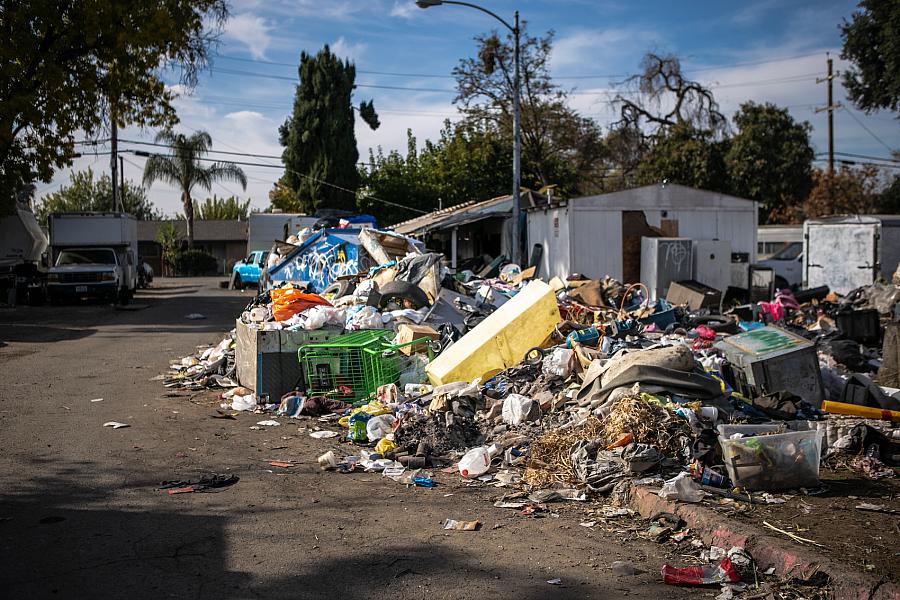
(442, 432)
(867, 540)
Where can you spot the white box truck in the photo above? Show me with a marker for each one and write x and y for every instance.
(267, 228)
(93, 255)
(23, 262)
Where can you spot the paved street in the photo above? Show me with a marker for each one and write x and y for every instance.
(80, 515)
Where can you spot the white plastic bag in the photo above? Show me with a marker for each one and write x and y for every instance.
(681, 487)
(559, 363)
(516, 409)
(247, 402)
(380, 426)
(364, 317)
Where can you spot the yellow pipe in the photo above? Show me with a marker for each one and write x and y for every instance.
(855, 410)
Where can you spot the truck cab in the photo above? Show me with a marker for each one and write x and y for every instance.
(247, 271)
(88, 272)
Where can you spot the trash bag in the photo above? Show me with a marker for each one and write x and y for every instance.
(378, 427)
(518, 409)
(289, 301)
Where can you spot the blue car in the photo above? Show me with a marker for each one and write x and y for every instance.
(247, 271)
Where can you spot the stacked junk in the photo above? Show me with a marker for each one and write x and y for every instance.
(567, 389)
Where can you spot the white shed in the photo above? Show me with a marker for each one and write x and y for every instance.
(601, 235)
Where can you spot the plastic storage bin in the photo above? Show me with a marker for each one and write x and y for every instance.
(772, 461)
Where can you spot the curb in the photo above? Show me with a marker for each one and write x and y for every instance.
(787, 559)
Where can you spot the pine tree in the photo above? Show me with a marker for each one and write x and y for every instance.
(318, 138)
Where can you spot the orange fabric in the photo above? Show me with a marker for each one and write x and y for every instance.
(288, 302)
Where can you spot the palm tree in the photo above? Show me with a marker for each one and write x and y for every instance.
(182, 168)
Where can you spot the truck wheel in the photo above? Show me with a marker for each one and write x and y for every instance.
(125, 297)
(781, 283)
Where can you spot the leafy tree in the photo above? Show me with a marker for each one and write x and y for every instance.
(872, 44)
(687, 156)
(86, 194)
(66, 68)
(889, 201)
(282, 197)
(320, 151)
(770, 159)
(466, 163)
(182, 168)
(170, 242)
(223, 209)
(847, 191)
(660, 97)
(559, 146)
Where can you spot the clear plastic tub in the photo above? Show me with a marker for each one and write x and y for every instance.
(770, 460)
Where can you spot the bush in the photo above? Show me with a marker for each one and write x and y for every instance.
(194, 262)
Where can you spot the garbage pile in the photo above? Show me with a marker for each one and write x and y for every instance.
(571, 387)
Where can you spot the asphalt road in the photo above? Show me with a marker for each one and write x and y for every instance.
(80, 515)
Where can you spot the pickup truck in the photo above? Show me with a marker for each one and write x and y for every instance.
(787, 264)
(88, 272)
(247, 271)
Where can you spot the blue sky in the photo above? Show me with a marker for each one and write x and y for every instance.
(767, 50)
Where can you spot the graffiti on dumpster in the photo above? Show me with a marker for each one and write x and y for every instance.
(321, 266)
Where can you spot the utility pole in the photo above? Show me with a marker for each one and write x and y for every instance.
(114, 159)
(122, 181)
(830, 107)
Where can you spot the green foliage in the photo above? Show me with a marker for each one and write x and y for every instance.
(283, 198)
(889, 201)
(770, 159)
(86, 194)
(872, 45)
(66, 68)
(466, 163)
(226, 209)
(687, 156)
(194, 262)
(559, 146)
(170, 241)
(318, 138)
(182, 168)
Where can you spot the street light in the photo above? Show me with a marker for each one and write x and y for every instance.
(517, 149)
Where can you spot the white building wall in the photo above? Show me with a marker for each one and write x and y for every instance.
(551, 229)
(596, 241)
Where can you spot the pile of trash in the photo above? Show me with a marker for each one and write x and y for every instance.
(574, 384)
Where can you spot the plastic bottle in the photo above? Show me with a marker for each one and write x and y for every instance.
(723, 573)
(477, 461)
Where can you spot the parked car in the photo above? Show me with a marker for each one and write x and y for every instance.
(247, 271)
(787, 264)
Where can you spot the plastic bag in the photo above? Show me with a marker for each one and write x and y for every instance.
(517, 409)
(380, 426)
(724, 572)
(681, 487)
(559, 363)
(247, 402)
(363, 317)
(287, 302)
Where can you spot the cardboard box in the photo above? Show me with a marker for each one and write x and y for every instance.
(407, 333)
(694, 294)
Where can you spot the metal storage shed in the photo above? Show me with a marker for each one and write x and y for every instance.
(601, 235)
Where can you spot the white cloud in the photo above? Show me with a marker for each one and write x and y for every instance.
(603, 49)
(349, 50)
(404, 10)
(252, 31)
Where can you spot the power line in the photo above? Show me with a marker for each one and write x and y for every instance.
(560, 77)
(866, 157)
(311, 178)
(869, 131)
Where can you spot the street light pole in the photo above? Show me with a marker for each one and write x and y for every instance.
(516, 254)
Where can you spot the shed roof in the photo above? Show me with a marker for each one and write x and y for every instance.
(467, 212)
(661, 194)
